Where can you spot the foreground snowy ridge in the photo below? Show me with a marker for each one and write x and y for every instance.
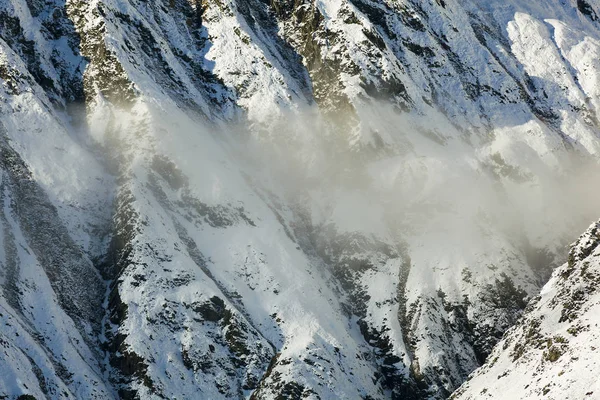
(328, 199)
(551, 352)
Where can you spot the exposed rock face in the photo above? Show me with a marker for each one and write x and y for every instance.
(144, 254)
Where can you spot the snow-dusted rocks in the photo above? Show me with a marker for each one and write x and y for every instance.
(551, 352)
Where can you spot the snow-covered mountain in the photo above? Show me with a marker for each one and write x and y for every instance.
(551, 352)
(259, 199)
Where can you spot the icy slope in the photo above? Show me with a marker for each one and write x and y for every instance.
(53, 222)
(550, 353)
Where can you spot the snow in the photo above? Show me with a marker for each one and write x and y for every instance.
(323, 255)
(532, 374)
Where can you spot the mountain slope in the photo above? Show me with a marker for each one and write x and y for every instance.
(318, 199)
(549, 354)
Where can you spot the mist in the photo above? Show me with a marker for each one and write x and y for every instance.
(422, 181)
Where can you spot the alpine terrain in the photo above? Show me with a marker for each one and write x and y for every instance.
(299, 199)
